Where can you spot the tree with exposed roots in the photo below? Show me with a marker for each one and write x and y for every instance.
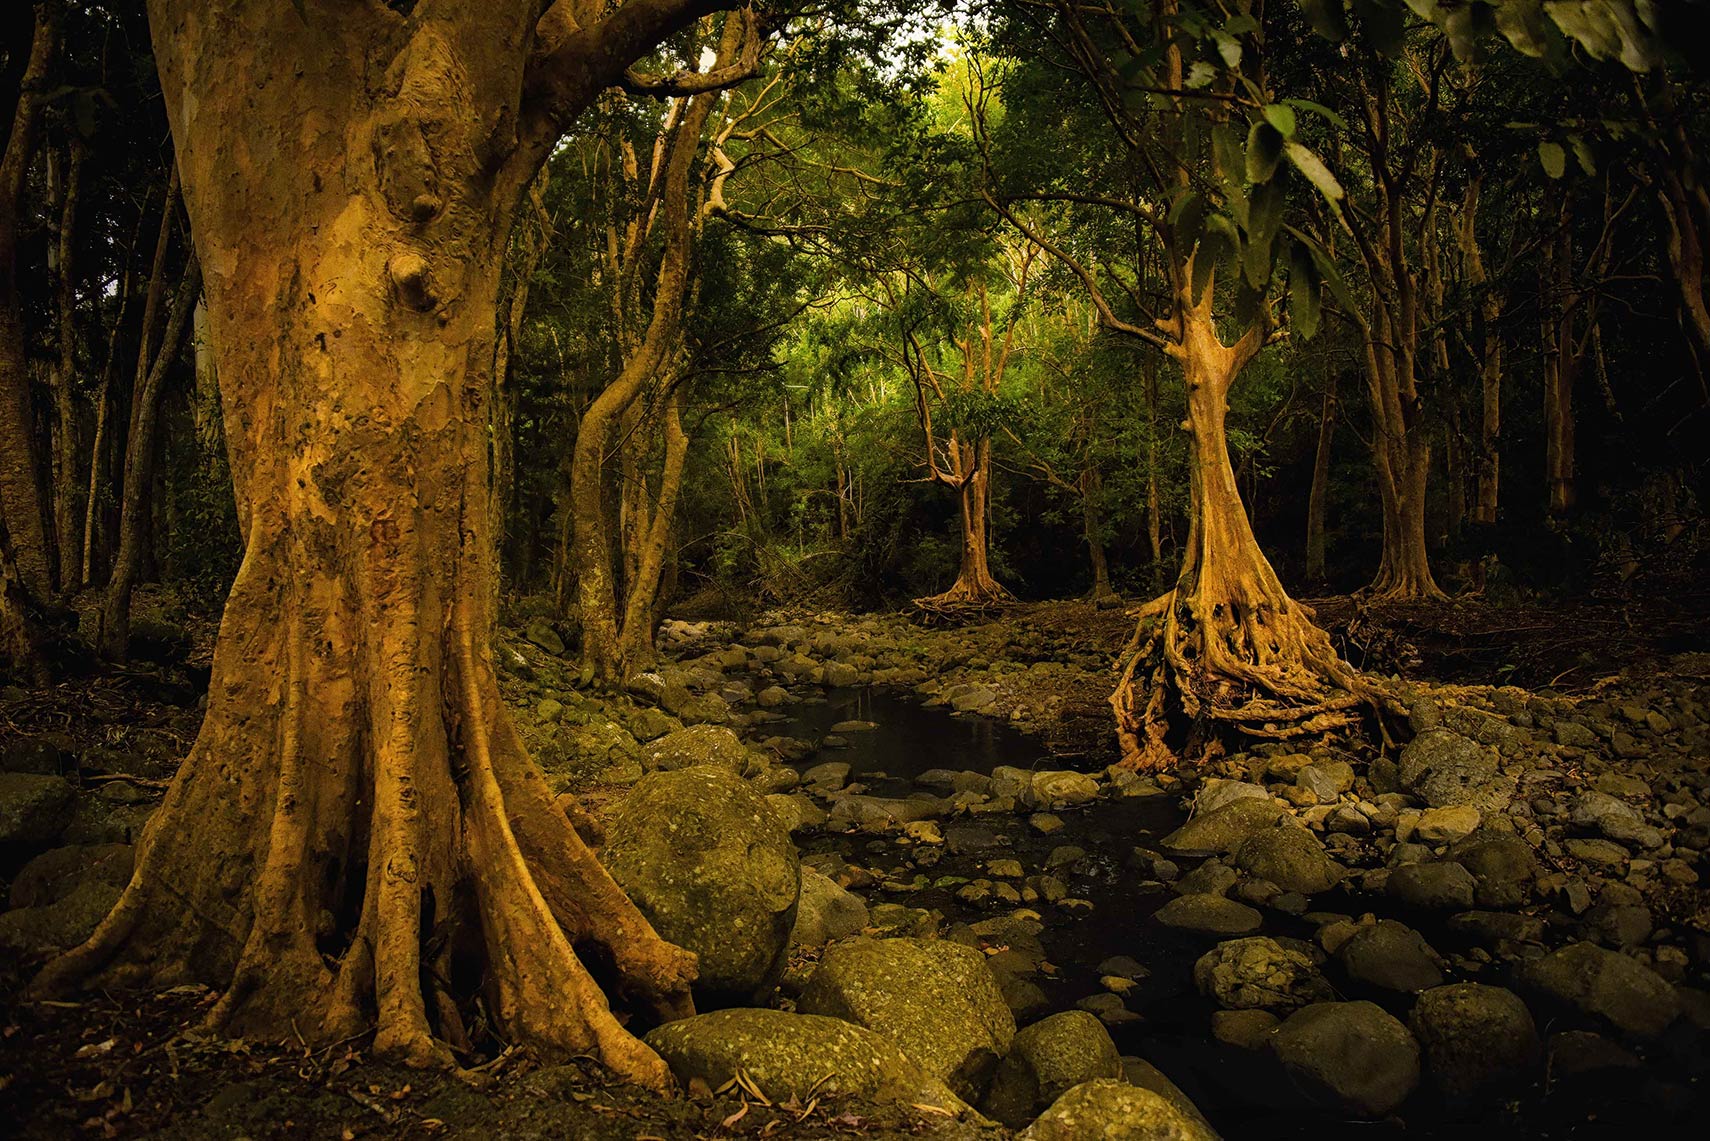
(358, 839)
(1227, 648)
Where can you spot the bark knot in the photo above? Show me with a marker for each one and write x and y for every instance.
(409, 272)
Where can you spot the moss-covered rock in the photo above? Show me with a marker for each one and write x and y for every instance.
(707, 745)
(799, 1056)
(1226, 828)
(1048, 1059)
(1115, 1111)
(712, 868)
(936, 1000)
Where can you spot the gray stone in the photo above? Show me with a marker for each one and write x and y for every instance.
(799, 1056)
(935, 999)
(35, 932)
(1213, 877)
(1478, 1040)
(713, 869)
(1445, 768)
(1243, 1029)
(1614, 819)
(1113, 1110)
(1225, 829)
(34, 810)
(1217, 792)
(705, 745)
(1503, 866)
(42, 756)
(1290, 857)
(1350, 1057)
(1446, 825)
(1258, 972)
(826, 912)
(540, 632)
(1209, 915)
(1606, 985)
(1048, 1059)
(56, 873)
(1058, 788)
(1326, 780)
(1445, 886)
(1391, 956)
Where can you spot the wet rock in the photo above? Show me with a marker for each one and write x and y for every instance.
(1503, 868)
(1059, 788)
(772, 696)
(1213, 877)
(1115, 1111)
(703, 745)
(1108, 1009)
(1619, 924)
(1326, 780)
(1390, 956)
(1141, 1073)
(1216, 792)
(1446, 769)
(879, 813)
(56, 873)
(34, 932)
(1227, 828)
(972, 698)
(1576, 1052)
(1209, 915)
(826, 912)
(1243, 1029)
(1048, 1059)
(827, 776)
(1495, 928)
(936, 1000)
(1478, 1040)
(1606, 985)
(1444, 886)
(541, 632)
(1446, 825)
(713, 869)
(1350, 1057)
(1259, 972)
(34, 810)
(1614, 819)
(1290, 857)
(798, 1056)
(840, 675)
(42, 756)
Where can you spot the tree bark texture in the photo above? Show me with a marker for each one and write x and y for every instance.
(23, 498)
(358, 838)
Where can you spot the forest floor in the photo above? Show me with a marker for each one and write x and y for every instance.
(1613, 698)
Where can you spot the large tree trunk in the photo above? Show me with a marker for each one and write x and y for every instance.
(23, 499)
(974, 585)
(1227, 646)
(1401, 454)
(358, 838)
(1092, 529)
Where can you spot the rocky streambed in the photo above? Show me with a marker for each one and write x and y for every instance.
(912, 877)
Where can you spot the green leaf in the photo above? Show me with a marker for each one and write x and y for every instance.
(1264, 150)
(1264, 219)
(1521, 23)
(1241, 24)
(1199, 75)
(1215, 248)
(1187, 219)
(1327, 271)
(1609, 29)
(1305, 290)
(1316, 173)
(1229, 48)
(1320, 110)
(1553, 157)
(1583, 152)
(1281, 117)
(1327, 18)
(1384, 25)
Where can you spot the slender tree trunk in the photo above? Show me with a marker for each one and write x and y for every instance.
(643, 600)
(1489, 466)
(66, 469)
(1317, 501)
(358, 839)
(1154, 521)
(136, 500)
(1227, 646)
(23, 500)
(1401, 454)
(1561, 366)
(1092, 529)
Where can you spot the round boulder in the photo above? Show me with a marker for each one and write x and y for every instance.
(1349, 1057)
(1290, 857)
(712, 868)
(1114, 1111)
(709, 745)
(1048, 1059)
(34, 810)
(798, 1056)
(826, 911)
(935, 999)
(1224, 829)
(1259, 973)
(1478, 1040)
(1606, 985)
(1390, 956)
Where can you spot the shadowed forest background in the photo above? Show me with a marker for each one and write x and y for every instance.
(1173, 526)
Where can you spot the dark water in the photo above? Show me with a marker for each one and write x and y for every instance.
(909, 738)
(1240, 1098)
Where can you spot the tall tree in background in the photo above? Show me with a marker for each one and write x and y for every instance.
(358, 818)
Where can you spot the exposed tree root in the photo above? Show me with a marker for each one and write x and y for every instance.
(380, 855)
(969, 599)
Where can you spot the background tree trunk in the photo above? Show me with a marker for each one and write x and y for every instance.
(1317, 500)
